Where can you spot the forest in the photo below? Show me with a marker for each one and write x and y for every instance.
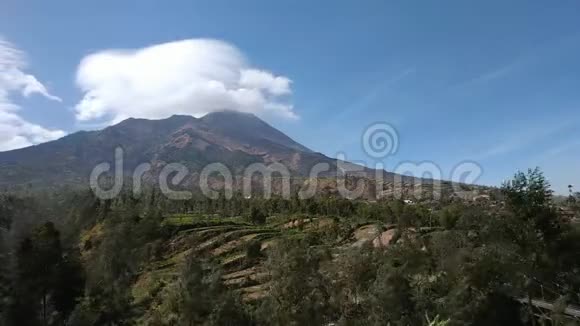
(69, 258)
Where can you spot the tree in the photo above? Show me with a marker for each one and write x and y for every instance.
(199, 288)
(229, 311)
(529, 198)
(449, 215)
(38, 259)
(48, 282)
(354, 274)
(69, 284)
(199, 298)
(257, 216)
(297, 294)
(253, 250)
(573, 198)
(5, 284)
(536, 226)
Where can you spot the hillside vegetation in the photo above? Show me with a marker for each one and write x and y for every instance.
(321, 261)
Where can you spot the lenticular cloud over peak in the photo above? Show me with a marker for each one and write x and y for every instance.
(193, 76)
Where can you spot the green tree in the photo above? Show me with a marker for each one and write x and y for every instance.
(48, 282)
(253, 250)
(199, 298)
(297, 294)
(449, 215)
(257, 216)
(529, 198)
(354, 274)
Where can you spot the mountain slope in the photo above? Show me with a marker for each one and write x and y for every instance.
(232, 138)
(247, 128)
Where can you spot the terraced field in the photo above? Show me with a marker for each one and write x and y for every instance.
(227, 241)
(222, 240)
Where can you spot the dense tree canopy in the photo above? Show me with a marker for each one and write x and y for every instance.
(151, 261)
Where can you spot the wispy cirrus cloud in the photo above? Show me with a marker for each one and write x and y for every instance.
(16, 132)
(522, 138)
(521, 63)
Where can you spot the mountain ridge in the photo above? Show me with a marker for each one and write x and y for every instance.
(233, 138)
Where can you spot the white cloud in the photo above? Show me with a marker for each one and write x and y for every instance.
(259, 79)
(15, 132)
(194, 76)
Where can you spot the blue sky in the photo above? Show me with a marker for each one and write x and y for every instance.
(496, 82)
